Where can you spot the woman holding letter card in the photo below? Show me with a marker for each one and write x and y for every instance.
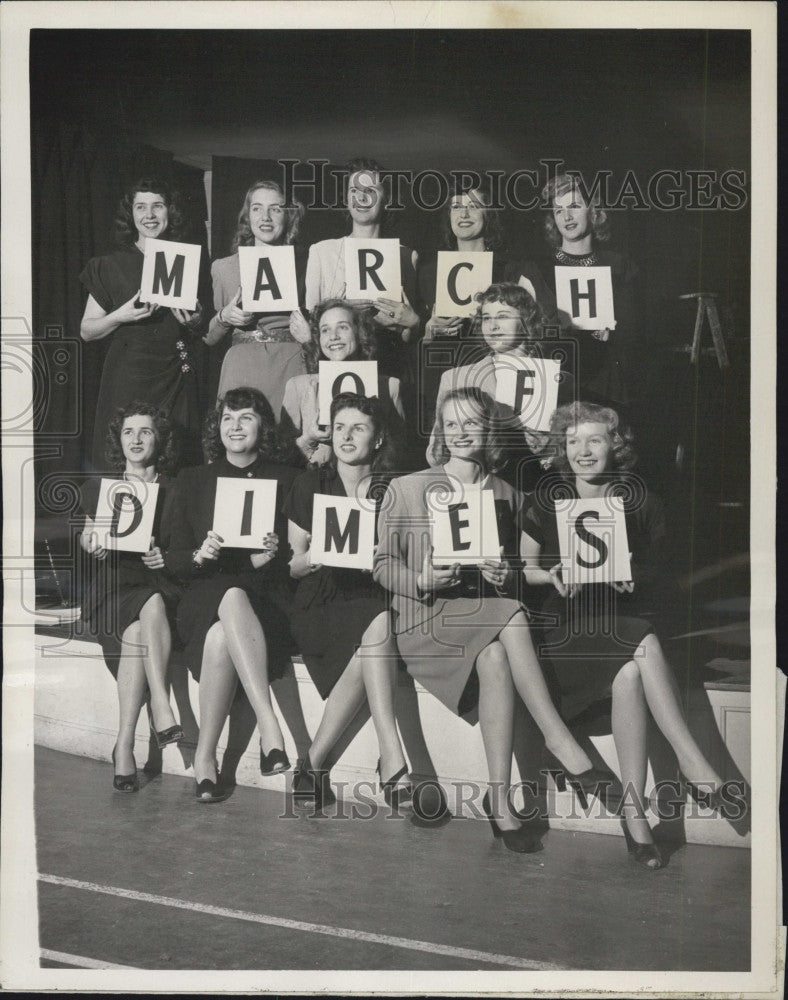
(601, 645)
(148, 357)
(461, 630)
(340, 333)
(129, 596)
(337, 609)
(233, 615)
(266, 347)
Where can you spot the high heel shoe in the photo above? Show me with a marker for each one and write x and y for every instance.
(647, 855)
(275, 761)
(164, 737)
(312, 784)
(394, 793)
(207, 791)
(597, 781)
(125, 782)
(521, 840)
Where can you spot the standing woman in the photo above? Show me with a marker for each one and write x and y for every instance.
(397, 323)
(232, 617)
(336, 610)
(340, 331)
(602, 645)
(150, 356)
(577, 232)
(462, 632)
(129, 597)
(266, 347)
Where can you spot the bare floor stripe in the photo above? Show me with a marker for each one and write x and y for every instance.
(469, 954)
(80, 961)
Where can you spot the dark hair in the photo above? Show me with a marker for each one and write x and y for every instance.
(269, 441)
(294, 214)
(516, 297)
(370, 166)
(362, 324)
(572, 414)
(560, 184)
(166, 458)
(492, 230)
(125, 230)
(383, 459)
(493, 448)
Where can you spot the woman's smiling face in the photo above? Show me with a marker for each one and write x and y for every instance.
(572, 215)
(589, 450)
(464, 429)
(353, 436)
(267, 216)
(150, 213)
(138, 439)
(338, 337)
(239, 430)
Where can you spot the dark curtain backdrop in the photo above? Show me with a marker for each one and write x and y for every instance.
(78, 179)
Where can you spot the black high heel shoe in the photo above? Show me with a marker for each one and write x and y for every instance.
(275, 761)
(394, 793)
(647, 855)
(207, 791)
(312, 784)
(522, 840)
(125, 782)
(597, 781)
(164, 737)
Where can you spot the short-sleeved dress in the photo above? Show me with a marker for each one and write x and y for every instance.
(188, 518)
(332, 607)
(152, 361)
(440, 635)
(263, 355)
(117, 588)
(598, 630)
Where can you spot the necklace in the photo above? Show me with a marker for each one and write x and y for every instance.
(154, 480)
(579, 260)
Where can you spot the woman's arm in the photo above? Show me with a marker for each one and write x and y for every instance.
(306, 438)
(88, 539)
(301, 564)
(313, 279)
(97, 323)
(178, 533)
(531, 550)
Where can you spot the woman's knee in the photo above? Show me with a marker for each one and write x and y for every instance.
(628, 678)
(493, 663)
(154, 611)
(234, 599)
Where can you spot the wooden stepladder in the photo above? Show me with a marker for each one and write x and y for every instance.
(707, 306)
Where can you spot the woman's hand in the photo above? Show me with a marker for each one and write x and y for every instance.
(233, 315)
(153, 558)
(299, 327)
(496, 573)
(90, 543)
(434, 578)
(301, 564)
(623, 586)
(210, 548)
(270, 548)
(442, 326)
(603, 334)
(395, 314)
(188, 318)
(316, 434)
(537, 440)
(555, 578)
(131, 313)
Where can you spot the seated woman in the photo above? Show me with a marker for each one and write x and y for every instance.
(510, 325)
(396, 323)
(266, 347)
(601, 644)
(336, 610)
(128, 599)
(150, 353)
(233, 614)
(340, 332)
(607, 359)
(437, 609)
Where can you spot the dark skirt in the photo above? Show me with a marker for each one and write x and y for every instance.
(329, 635)
(199, 610)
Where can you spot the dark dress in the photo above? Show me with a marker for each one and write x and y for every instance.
(152, 360)
(606, 370)
(333, 606)
(188, 519)
(440, 634)
(584, 641)
(116, 588)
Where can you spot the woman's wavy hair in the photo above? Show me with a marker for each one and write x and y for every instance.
(270, 444)
(560, 184)
(294, 214)
(362, 324)
(166, 457)
(370, 166)
(483, 403)
(384, 459)
(492, 231)
(573, 414)
(517, 298)
(125, 230)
